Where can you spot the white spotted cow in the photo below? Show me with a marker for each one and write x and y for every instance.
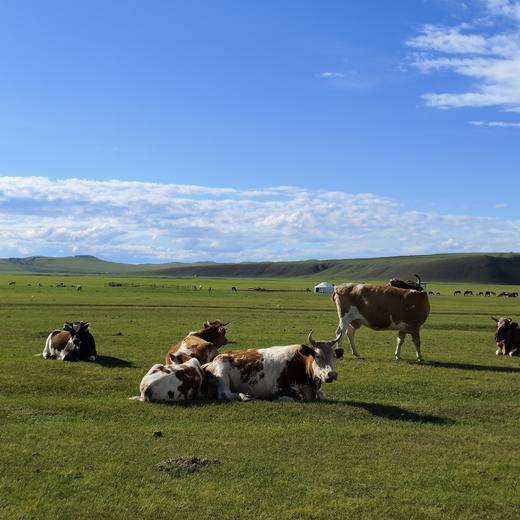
(171, 383)
(289, 373)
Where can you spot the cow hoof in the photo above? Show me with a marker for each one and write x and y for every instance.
(420, 360)
(398, 358)
(244, 397)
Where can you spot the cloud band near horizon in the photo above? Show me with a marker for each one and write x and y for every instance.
(149, 222)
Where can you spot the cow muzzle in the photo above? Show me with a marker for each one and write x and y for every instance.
(331, 376)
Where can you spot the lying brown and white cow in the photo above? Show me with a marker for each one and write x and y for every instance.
(410, 284)
(289, 373)
(74, 342)
(202, 345)
(380, 307)
(507, 337)
(170, 383)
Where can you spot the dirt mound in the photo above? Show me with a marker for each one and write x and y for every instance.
(184, 465)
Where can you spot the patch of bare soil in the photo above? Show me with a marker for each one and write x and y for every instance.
(184, 465)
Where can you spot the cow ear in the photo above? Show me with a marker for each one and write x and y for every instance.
(493, 318)
(339, 352)
(67, 326)
(514, 324)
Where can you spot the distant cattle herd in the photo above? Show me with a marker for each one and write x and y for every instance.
(194, 368)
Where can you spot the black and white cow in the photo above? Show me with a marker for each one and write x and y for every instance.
(74, 342)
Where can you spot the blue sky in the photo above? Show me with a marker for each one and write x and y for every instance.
(251, 130)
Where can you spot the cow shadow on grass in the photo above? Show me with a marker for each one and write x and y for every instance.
(385, 411)
(113, 362)
(395, 413)
(469, 366)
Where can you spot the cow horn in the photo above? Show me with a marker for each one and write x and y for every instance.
(311, 341)
(224, 324)
(493, 318)
(418, 278)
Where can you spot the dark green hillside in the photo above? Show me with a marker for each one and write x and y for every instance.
(480, 268)
(496, 268)
(81, 264)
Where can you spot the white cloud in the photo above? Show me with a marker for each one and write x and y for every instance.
(488, 55)
(332, 75)
(505, 124)
(504, 7)
(141, 221)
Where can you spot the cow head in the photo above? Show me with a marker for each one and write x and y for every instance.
(214, 332)
(83, 344)
(503, 334)
(324, 364)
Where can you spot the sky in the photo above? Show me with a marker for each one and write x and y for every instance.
(237, 130)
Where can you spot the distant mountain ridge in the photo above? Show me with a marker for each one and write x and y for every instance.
(497, 268)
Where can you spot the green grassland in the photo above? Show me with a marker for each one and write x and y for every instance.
(395, 439)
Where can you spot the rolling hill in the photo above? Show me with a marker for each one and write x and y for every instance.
(497, 268)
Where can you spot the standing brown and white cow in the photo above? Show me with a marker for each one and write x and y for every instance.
(289, 373)
(202, 345)
(380, 307)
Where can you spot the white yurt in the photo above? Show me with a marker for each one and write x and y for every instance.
(324, 287)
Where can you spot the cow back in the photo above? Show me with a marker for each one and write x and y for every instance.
(191, 347)
(164, 383)
(59, 339)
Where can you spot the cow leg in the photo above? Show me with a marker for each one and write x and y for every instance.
(351, 331)
(400, 341)
(47, 351)
(320, 396)
(224, 392)
(417, 342)
(345, 325)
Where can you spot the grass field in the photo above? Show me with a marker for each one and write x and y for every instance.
(395, 440)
